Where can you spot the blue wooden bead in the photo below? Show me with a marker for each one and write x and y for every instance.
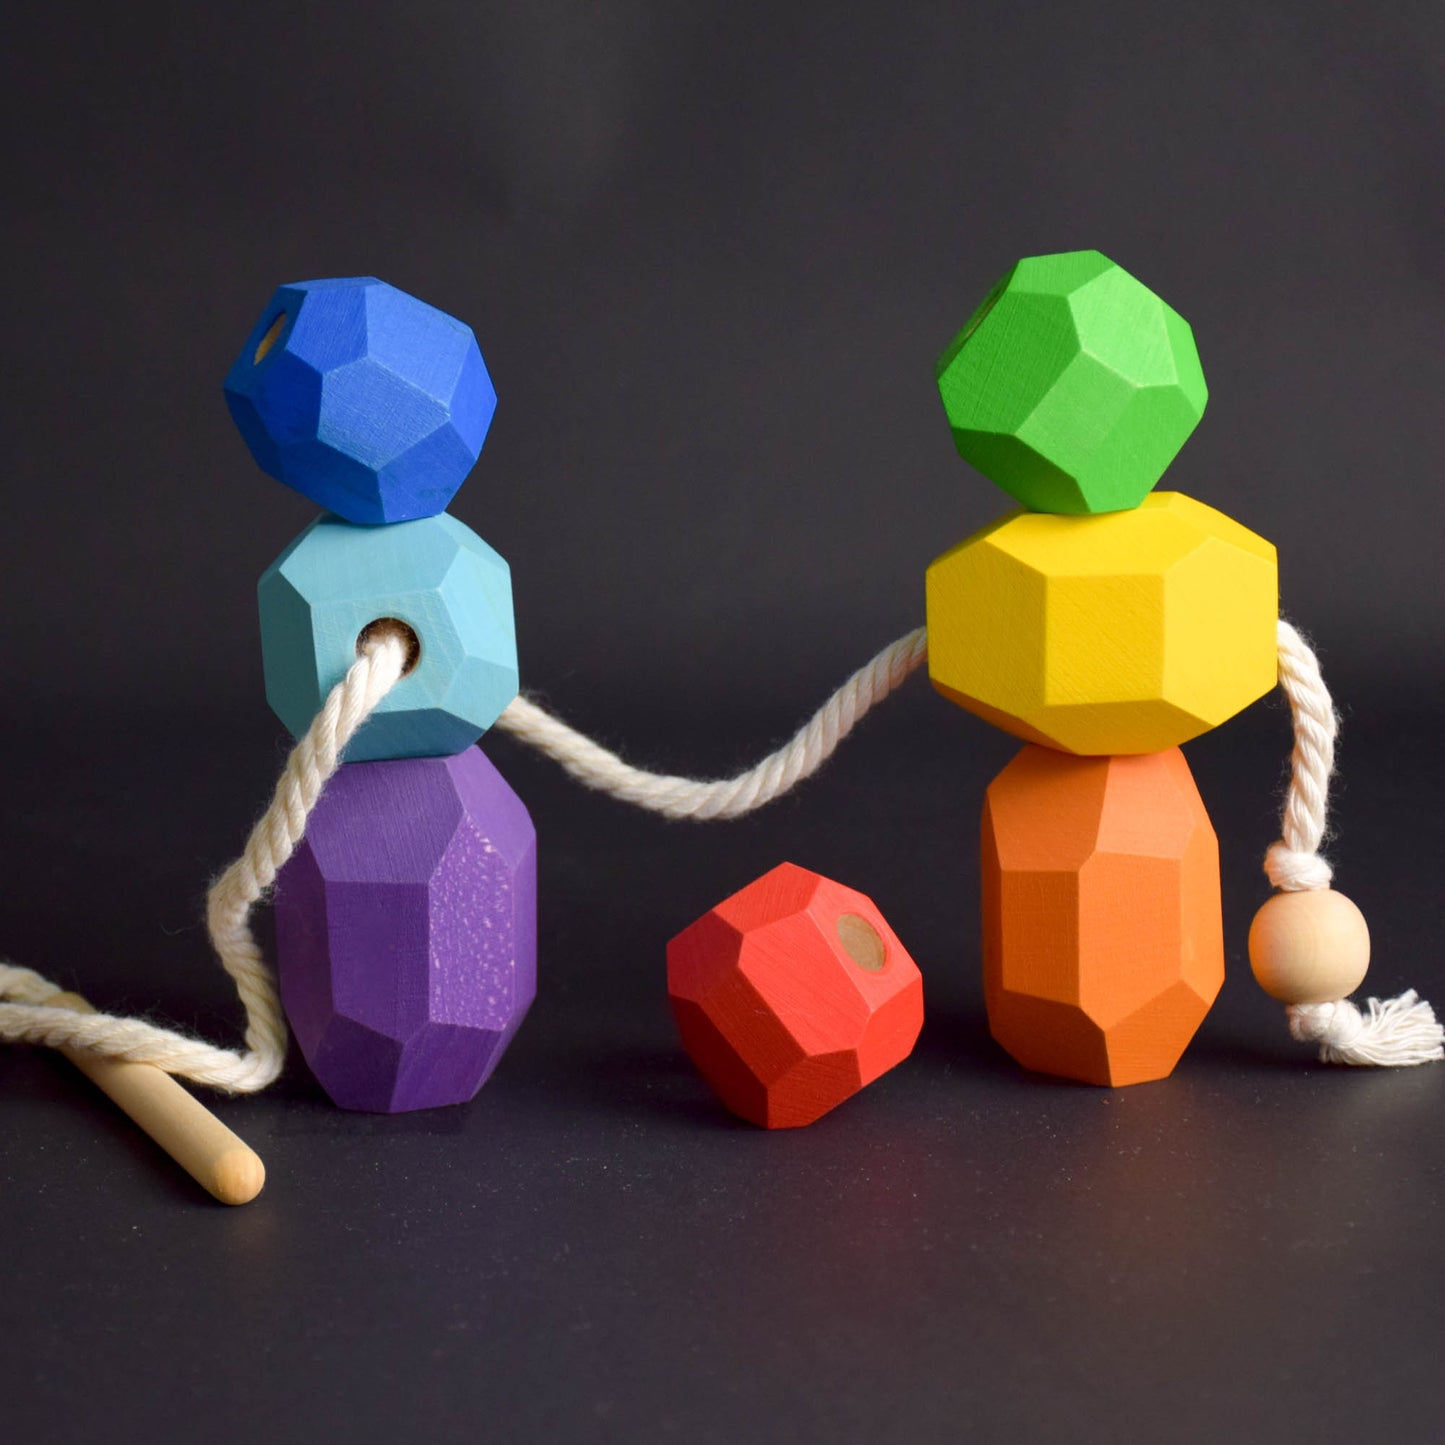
(436, 576)
(368, 401)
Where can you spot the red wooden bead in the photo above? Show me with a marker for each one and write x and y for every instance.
(792, 995)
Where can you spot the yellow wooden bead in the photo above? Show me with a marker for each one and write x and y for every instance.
(1129, 632)
(1311, 947)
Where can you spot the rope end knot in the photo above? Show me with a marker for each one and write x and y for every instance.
(1394, 1033)
(1293, 870)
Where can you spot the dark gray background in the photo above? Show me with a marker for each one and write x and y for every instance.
(711, 252)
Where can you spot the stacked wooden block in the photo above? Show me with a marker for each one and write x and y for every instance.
(1104, 624)
(406, 920)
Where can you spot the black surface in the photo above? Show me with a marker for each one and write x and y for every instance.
(710, 253)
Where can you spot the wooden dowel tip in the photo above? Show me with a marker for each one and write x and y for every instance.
(238, 1176)
(225, 1166)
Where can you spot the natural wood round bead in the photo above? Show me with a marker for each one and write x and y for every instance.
(1310, 947)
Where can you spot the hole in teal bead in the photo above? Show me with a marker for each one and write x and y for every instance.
(383, 627)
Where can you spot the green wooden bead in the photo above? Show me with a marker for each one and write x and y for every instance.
(1072, 387)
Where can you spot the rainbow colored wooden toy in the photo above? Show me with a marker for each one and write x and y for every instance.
(1104, 624)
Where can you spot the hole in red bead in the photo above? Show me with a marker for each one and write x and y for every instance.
(269, 339)
(383, 627)
(861, 941)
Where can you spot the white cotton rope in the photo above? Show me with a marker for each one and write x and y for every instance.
(1394, 1033)
(27, 1019)
(1293, 864)
(674, 797)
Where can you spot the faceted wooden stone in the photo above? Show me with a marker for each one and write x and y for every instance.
(436, 576)
(368, 401)
(1102, 937)
(406, 931)
(792, 995)
(1073, 386)
(1128, 633)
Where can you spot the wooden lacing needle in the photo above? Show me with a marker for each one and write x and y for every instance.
(218, 1160)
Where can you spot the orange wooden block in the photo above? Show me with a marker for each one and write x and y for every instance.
(792, 995)
(1102, 938)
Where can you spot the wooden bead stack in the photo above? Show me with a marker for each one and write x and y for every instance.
(406, 920)
(1105, 624)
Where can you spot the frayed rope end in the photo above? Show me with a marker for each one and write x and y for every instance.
(1395, 1033)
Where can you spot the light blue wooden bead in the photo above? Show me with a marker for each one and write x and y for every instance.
(435, 575)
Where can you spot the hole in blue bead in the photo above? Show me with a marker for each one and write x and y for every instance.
(269, 339)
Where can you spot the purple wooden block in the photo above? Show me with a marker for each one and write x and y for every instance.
(406, 931)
